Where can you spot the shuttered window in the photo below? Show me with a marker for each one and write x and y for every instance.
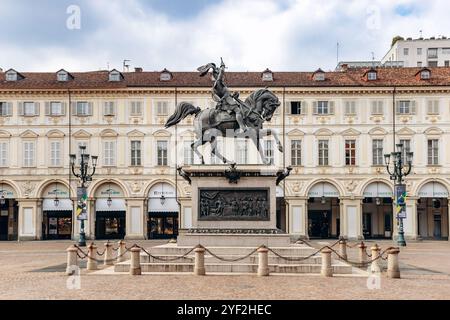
(29, 153)
(4, 154)
(136, 108)
(161, 147)
(5, 109)
(377, 107)
(296, 152)
(136, 153)
(55, 153)
(109, 153)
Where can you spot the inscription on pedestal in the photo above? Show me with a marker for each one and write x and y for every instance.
(237, 204)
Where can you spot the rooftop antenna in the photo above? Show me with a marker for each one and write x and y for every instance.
(337, 53)
(373, 59)
(107, 66)
(126, 67)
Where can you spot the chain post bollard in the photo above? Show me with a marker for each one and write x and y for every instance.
(362, 253)
(72, 259)
(393, 268)
(121, 252)
(135, 267)
(343, 249)
(199, 263)
(375, 266)
(327, 270)
(108, 261)
(263, 261)
(92, 257)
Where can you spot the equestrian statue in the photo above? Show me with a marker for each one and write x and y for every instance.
(230, 115)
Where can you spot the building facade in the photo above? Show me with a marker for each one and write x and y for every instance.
(335, 128)
(432, 52)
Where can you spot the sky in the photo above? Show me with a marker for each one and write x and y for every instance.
(180, 35)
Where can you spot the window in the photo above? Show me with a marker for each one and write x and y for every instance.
(405, 107)
(432, 64)
(350, 152)
(296, 107)
(406, 51)
(114, 76)
(162, 108)
(433, 152)
(419, 51)
(162, 153)
(377, 152)
(433, 107)
(109, 153)
(267, 75)
(241, 151)
(425, 75)
(55, 153)
(109, 108)
(323, 152)
(268, 151)
(445, 50)
(319, 75)
(54, 108)
(432, 53)
(446, 63)
(29, 148)
(5, 109)
(350, 107)
(83, 108)
(188, 152)
(11, 76)
(377, 108)
(165, 76)
(323, 107)
(419, 64)
(4, 154)
(406, 148)
(135, 153)
(29, 109)
(136, 108)
(62, 76)
(296, 152)
(372, 76)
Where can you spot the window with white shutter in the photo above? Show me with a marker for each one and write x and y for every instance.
(323, 152)
(109, 108)
(136, 108)
(350, 108)
(30, 109)
(377, 107)
(55, 153)
(323, 107)
(268, 151)
(433, 107)
(82, 108)
(54, 108)
(109, 153)
(377, 152)
(5, 109)
(162, 108)
(241, 149)
(188, 152)
(433, 152)
(161, 151)
(29, 153)
(296, 152)
(136, 153)
(406, 107)
(4, 154)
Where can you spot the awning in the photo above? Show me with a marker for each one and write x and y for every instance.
(116, 205)
(170, 205)
(433, 190)
(378, 190)
(323, 189)
(64, 205)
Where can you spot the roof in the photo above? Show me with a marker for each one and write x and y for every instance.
(387, 77)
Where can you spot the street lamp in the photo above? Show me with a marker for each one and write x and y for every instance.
(398, 173)
(84, 177)
(56, 200)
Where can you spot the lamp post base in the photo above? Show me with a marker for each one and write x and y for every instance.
(82, 240)
(401, 235)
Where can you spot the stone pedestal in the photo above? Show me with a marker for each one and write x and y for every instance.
(231, 206)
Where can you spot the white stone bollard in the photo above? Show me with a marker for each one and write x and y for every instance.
(108, 254)
(199, 263)
(135, 267)
(362, 253)
(343, 249)
(121, 252)
(375, 266)
(263, 261)
(72, 260)
(92, 257)
(327, 270)
(393, 268)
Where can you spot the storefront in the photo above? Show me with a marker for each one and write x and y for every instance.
(8, 213)
(57, 211)
(110, 212)
(323, 211)
(432, 211)
(162, 222)
(377, 216)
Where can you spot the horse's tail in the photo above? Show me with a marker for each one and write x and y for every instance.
(183, 110)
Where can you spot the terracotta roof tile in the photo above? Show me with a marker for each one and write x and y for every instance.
(351, 78)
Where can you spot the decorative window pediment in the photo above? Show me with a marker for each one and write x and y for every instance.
(135, 133)
(108, 133)
(350, 132)
(433, 131)
(323, 132)
(55, 134)
(82, 134)
(405, 132)
(295, 132)
(5, 134)
(29, 134)
(161, 133)
(378, 132)
(188, 134)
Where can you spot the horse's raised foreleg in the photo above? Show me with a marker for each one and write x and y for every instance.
(270, 132)
(195, 145)
(214, 150)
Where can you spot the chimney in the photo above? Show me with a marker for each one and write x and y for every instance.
(138, 69)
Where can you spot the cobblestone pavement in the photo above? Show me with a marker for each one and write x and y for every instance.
(35, 270)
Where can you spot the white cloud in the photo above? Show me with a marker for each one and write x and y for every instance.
(249, 35)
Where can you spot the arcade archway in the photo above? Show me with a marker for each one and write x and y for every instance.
(432, 211)
(377, 211)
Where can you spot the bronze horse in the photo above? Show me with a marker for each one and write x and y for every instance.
(212, 123)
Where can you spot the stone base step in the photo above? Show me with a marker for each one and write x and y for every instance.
(338, 268)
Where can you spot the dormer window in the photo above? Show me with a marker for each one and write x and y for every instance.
(12, 75)
(165, 75)
(372, 75)
(63, 76)
(267, 75)
(425, 75)
(319, 75)
(115, 76)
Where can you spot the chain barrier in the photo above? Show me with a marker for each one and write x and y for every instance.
(100, 254)
(362, 264)
(165, 259)
(294, 258)
(115, 249)
(86, 255)
(231, 260)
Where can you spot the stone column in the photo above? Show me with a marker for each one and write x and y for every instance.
(135, 267)
(374, 266)
(263, 261)
(410, 224)
(92, 257)
(343, 249)
(362, 253)
(352, 218)
(135, 219)
(72, 260)
(108, 254)
(199, 264)
(326, 270)
(393, 268)
(121, 252)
